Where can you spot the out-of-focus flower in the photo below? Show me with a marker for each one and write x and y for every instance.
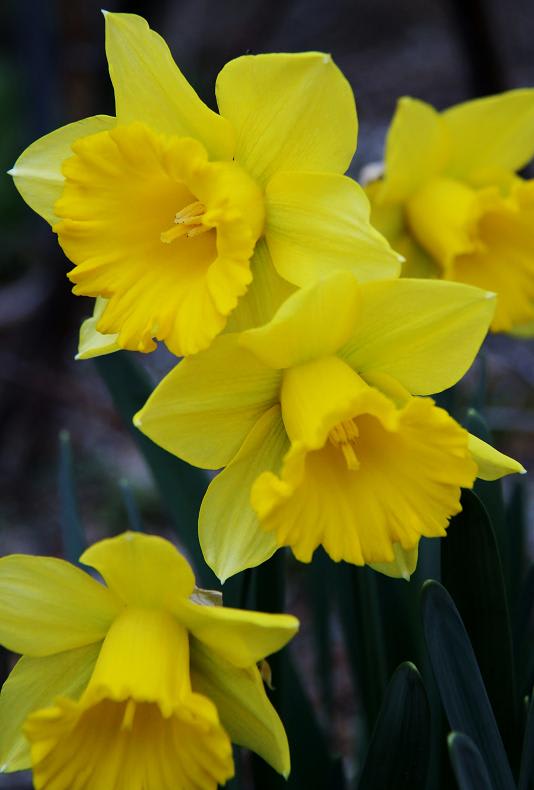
(169, 210)
(451, 202)
(136, 685)
(314, 417)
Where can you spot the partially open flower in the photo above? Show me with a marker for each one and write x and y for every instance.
(320, 419)
(170, 211)
(132, 685)
(451, 202)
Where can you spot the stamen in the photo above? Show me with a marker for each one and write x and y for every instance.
(187, 222)
(343, 436)
(129, 713)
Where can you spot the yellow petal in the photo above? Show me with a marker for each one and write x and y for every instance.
(145, 656)
(386, 481)
(316, 396)
(127, 227)
(149, 87)
(289, 112)
(142, 570)
(48, 606)
(93, 343)
(240, 636)
(35, 683)
(229, 532)
(204, 408)
(314, 322)
(504, 261)
(403, 565)
(416, 149)
(423, 333)
(112, 746)
(492, 134)
(491, 463)
(243, 706)
(138, 724)
(37, 171)
(319, 223)
(264, 295)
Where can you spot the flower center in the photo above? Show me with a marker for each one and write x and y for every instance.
(187, 222)
(132, 204)
(444, 216)
(343, 436)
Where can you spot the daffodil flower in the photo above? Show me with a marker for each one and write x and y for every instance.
(169, 211)
(137, 684)
(320, 420)
(451, 201)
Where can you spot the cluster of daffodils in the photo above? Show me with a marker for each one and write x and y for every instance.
(236, 239)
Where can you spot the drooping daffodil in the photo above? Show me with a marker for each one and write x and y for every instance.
(135, 684)
(452, 202)
(170, 211)
(321, 422)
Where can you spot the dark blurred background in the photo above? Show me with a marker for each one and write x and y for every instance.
(53, 70)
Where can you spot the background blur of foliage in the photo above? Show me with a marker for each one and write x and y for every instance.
(53, 71)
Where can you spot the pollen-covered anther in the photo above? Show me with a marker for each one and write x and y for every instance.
(343, 435)
(187, 222)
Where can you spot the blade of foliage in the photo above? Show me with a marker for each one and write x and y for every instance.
(490, 493)
(72, 533)
(526, 775)
(361, 618)
(180, 485)
(469, 768)
(130, 505)
(398, 754)
(311, 763)
(524, 632)
(462, 690)
(472, 573)
(516, 524)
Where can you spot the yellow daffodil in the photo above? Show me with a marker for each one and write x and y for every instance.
(136, 684)
(319, 419)
(169, 210)
(451, 201)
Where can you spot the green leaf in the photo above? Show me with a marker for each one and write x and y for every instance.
(472, 573)
(460, 683)
(311, 762)
(181, 486)
(526, 775)
(398, 754)
(490, 493)
(469, 768)
(72, 532)
(361, 618)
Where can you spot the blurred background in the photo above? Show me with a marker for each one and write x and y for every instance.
(53, 71)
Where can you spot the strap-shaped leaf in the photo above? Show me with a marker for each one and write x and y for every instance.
(460, 683)
(181, 486)
(469, 768)
(361, 618)
(311, 762)
(472, 573)
(399, 751)
(526, 776)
